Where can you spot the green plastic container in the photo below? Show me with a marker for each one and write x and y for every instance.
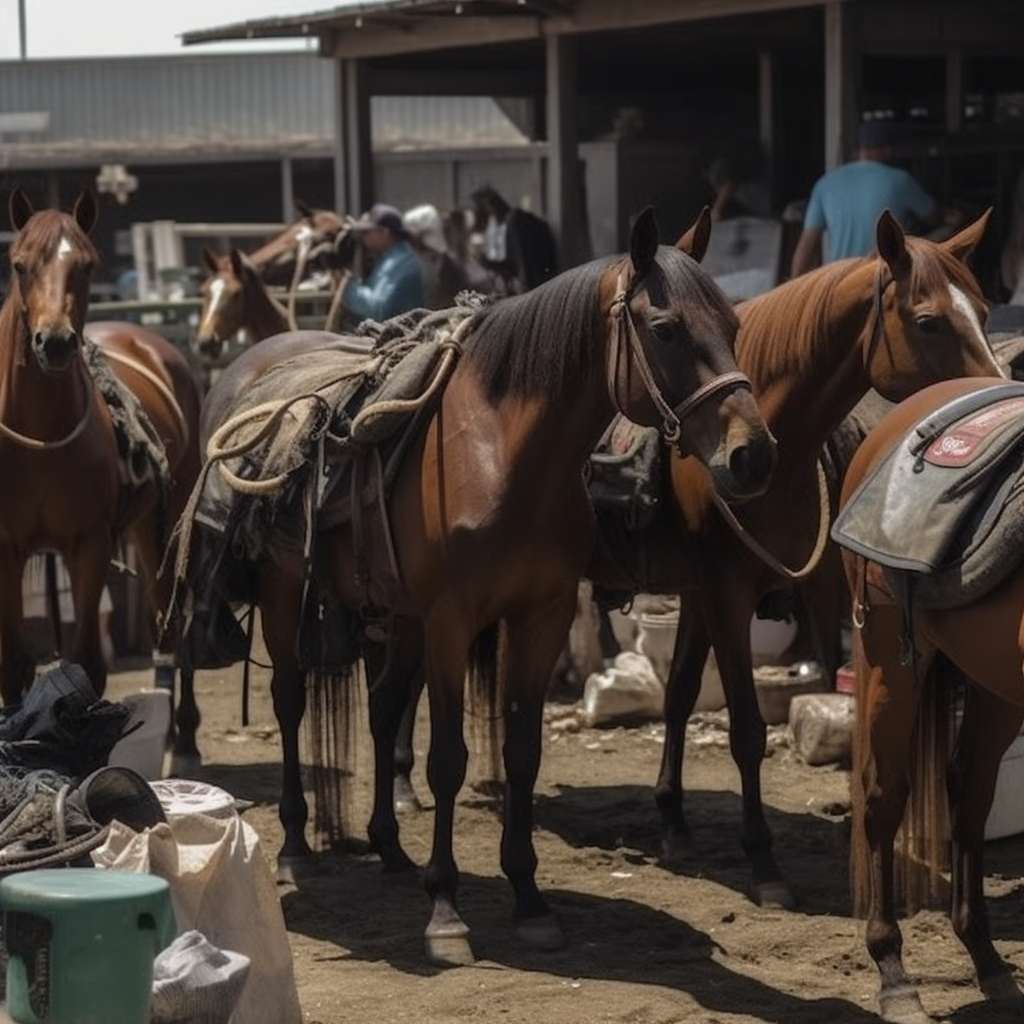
(81, 943)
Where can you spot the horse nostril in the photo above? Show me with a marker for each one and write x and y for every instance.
(740, 463)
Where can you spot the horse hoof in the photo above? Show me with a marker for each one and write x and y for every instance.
(184, 766)
(775, 895)
(903, 1006)
(449, 946)
(397, 861)
(292, 869)
(677, 853)
(542, 933)
(1002, 988)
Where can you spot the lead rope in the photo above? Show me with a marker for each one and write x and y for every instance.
(37, 445)
(824, 519)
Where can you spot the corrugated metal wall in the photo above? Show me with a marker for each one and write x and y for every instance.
(199, 107)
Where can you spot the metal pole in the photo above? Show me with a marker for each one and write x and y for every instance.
(21, 29)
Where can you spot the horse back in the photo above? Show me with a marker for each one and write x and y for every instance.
(159, 375)
(255, 361)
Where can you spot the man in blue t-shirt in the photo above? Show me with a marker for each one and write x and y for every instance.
(845, 203)
(395, 284)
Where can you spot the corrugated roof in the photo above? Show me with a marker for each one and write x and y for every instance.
(365, 12)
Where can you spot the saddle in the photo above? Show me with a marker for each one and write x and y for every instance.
(942, 513)
(324, 456)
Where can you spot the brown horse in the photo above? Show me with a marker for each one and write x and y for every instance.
(976, 638)
(235, 298)
(812, 347)
(68, 490)
(308, 241)
(491, 526)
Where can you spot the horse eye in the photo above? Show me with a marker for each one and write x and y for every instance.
(88, 266)
(19, 267)
(929, 323)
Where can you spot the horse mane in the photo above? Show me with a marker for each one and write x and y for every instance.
(542, 343)
(43, 233)
(783, 329)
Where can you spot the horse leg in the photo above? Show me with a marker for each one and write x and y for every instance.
(16, 665)
(748, 735)
(533, 644)
(281, 598)
(989, 727)
(404, 796)
(825, 602)
(391, 696)
(889, 699)
(87, 565)
(681, 691)
(446, 660)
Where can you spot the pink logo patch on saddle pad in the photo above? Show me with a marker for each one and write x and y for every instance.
(960, 443)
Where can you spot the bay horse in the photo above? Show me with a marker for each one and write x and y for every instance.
(235, 298)
(904, 317)
(67, 489)
(491, 526)
(903, 685)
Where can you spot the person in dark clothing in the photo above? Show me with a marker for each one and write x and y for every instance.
(519, 246)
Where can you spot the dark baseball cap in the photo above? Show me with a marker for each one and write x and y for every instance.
(380, 215)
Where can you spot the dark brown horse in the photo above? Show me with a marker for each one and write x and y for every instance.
(491, 526)
(67, 489)
(895, 321)
(904, 721)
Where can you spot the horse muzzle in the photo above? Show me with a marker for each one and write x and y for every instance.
(209, 346)
(56, 349)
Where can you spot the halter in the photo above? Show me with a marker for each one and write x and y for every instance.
(672, 416)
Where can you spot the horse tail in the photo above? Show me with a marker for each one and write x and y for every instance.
(921, 848)
(485, 694)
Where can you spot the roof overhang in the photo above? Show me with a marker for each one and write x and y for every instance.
(409, 26)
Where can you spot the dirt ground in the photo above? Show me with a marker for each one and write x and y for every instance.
(646, 946)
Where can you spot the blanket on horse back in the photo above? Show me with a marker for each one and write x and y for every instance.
(942, 512)
(315, 442)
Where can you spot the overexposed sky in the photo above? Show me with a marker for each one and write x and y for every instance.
(99, 28)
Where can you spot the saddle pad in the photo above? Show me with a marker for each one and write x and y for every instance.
(907, 512)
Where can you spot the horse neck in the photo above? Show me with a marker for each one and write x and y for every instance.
(42, 406)
(806, 386)
(263, 316)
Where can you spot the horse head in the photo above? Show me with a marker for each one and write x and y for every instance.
(52, 260)
(307, 243)
(223, 294)
(671, 359)
(928, 311)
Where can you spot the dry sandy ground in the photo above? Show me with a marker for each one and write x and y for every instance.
(646, 946)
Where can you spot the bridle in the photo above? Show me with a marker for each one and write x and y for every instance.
(627, 342)
(878, 312)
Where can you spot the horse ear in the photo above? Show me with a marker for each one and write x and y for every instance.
(210, 259)
(238, 263)
(694, 241)
(19, 208)
(965, 241)
(305, 210)
(85, 210)
(643, 242)
(891, 243)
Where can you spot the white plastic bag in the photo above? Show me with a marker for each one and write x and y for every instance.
(629, 691)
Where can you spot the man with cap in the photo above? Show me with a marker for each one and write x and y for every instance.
(845, 203)
(395, 284)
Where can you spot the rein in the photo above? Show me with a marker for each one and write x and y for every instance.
(824, 503)
(155, 379)
(672, 416)
(751, 542)
(36, 444)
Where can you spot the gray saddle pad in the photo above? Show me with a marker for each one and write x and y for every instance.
(942, 505)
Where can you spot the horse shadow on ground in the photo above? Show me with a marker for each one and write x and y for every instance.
(372, 917)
